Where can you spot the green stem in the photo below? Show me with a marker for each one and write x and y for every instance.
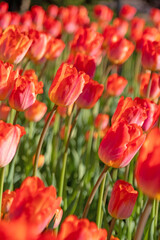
(42, 139)
(111, 228)
(25, 65)
(15, 118)
(43, 70)
(126, 173)
(99, 209)
(149, 85)
(94, 190)
(1, 188)
(12, 115)
(69, 132)
(31, 127)
(156, 217)
(143, 220)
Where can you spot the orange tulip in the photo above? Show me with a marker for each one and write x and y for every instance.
(122, 201)
(148, 165)
(9, 138)
(7, 79)
(67, 85)
(4, 111)
(25, 89)
(127, 12)
(7, 200)
(120, 144)
(34, 203)
(73, 228)
(36, 111)
(101, 121)
(40, 160)
(151, 55)
(13, 45)
(39, 44)
(91, 93)
(120, 50)
(115, 85)
(155, 85)
(54, 48)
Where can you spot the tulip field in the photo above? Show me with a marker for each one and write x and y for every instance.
(79, 123)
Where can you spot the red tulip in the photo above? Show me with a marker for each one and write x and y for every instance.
(7, 200)
(148, 165)
(155, 15)
(4, 7)
(155, 85)
(137, 26)
(151, 55)
(120, 50)
(122, 201)
(91, 93)
(4, 111)
(115, 85)
(52, 11)
(73, 228)
(132, 111)
(67, 85)
(85, 63)
(127, 12)
(104, 15)
(52, 26)
(38, 14)
(15, 18)
(36, 111)
(87, 41)
(5, 19)
(121, 26)
(34, 203)
(9, 138)
(26, 20)
(120, 144)
(25, 89)
(14, 45)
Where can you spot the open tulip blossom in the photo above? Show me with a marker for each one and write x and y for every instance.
(79, 121)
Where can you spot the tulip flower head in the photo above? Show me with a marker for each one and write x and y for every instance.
(91, 93)
(13, 45)
(115, 85)
(9, 139)
(122, 201)
(4, 111)
(67, 85)
(127, 12)
(120, 144)
(148, 165)
(36, 111)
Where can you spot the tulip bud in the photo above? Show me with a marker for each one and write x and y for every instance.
(122, 201)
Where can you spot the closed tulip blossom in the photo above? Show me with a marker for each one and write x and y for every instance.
(40, 160)
(13, 45)
(151, 55)
(25, 90)
(91, 93)
(121, 26)
(9, 139)
(34, 203)
(67, 85)
(115, 85)
(5, 19)
(137, 26)
(4, 7)
(39, 44)
(101, 121)
(38, 14)
(127, 12)
(36, 111)
(120, 144)
(155, 85)
(7, 79)
(4, 111)
(54, 48)
(52, 10)
(148, 165)
(132, 111)
(73, 228)
(52, 27)
(120, 50)
(155, 15)
(122, 201)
